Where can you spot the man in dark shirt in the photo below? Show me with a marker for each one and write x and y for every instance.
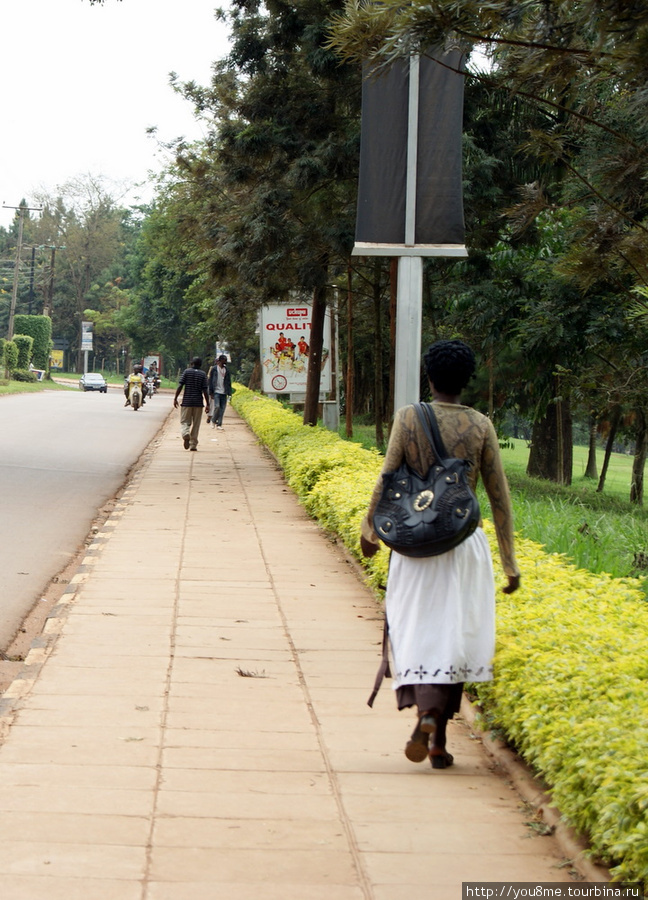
(194, 382)
(219, 385)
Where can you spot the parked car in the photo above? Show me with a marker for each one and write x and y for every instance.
(93, 381)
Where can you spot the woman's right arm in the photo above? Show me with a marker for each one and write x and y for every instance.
(393, 458)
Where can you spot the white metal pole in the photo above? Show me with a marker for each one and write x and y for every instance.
(409, 290)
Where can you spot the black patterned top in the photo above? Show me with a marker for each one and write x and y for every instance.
(467, 434)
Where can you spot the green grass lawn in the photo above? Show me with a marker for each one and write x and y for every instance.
(600, 532)
(111, 378)
(25, 387)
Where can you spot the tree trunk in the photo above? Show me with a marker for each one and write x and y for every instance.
(615, 418)
(349, 386)
(255, 378)
(545, 441)
(491, 385)
(639, 462)
(560, 437)
(378, 355)
(592, 471)
(311, 403)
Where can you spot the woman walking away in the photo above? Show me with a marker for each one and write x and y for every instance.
(440, 610)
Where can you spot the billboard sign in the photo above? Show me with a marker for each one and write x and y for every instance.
(285, 345)
(410, 199)
(56, 359)
(154, 359)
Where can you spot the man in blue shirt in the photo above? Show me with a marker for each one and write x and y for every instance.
(194, 382)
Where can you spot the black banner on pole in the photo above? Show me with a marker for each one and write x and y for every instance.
(380, 225)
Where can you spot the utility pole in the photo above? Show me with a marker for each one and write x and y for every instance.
(31, 281)
(22, 209)
(49, 290)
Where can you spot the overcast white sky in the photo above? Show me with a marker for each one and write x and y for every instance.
(80, 84)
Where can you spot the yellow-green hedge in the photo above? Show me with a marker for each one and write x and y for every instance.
(571, 685)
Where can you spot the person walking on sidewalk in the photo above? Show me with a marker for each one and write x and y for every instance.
(194, 382)
(220, 388)
(440, 610)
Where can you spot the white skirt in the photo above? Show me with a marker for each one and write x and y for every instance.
(441, 615)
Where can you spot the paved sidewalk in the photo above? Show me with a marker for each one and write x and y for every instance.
(195, 726)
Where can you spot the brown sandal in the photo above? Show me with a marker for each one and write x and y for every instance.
(440, 758)
(416, 749)
(427, 723)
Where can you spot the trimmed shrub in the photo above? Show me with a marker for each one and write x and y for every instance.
(11, 355)
(24, 375)
(40, 329)
(570, 693)
(570, 690)
(24, 342)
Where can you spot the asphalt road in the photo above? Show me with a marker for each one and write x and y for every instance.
(63, 454)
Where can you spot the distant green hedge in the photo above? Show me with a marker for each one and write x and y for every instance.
(24, 375)
(25, 344)
(40, 329)
(571, 685)
(10, 355)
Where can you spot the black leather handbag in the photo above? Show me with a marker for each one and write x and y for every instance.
(427, 516)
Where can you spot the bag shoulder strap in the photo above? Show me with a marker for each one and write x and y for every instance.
(430, 425)
(383, 669)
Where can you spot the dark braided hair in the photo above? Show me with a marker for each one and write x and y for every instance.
(450, 365)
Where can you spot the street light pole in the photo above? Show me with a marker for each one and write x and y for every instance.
(409, 314)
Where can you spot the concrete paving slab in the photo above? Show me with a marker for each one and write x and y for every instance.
(191, 669)
(237, 756)
(245, 806)
(324, 867)
(250, 834)
(29, 887)
(80, 800)
(263, 781)
(130, 746)
(252, 891)
(86, 715)
(45, 827)
(71, 775)
(66, 860)
(97, 681)
(244, 740)
(396, 868)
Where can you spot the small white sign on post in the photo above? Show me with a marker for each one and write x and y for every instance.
(86, 335)
(285, 347)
